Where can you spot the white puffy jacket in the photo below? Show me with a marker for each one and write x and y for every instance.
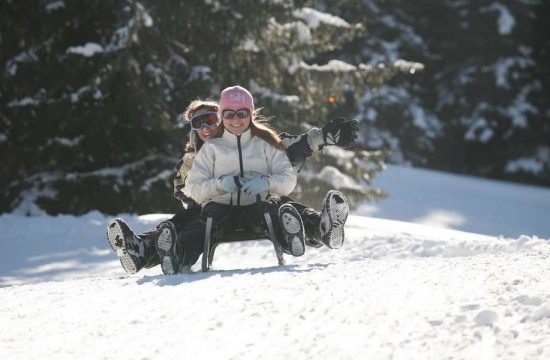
(238, 155)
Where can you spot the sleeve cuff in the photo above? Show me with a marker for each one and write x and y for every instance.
(315, 139)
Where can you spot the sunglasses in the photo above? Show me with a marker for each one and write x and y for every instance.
(209, 119)
(230, 114)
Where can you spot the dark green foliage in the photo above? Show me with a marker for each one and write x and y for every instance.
(482, 104)
(76, 123)
(90, 91)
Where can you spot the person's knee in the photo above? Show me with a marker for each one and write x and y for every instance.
(193, 236)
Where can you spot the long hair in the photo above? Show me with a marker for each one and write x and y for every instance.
(195, 143)
(260, 128)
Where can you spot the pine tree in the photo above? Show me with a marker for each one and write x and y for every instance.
(85, 107)
(290, 67)
(481, 106)
(487, 92)
(91, 91)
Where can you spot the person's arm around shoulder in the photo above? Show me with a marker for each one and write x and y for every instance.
(200, 184)
(182, 169)
(282, 180)
(339, 132)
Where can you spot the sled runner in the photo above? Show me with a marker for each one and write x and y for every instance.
(213, 238)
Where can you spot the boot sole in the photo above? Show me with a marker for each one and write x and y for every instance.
(293, 227)
(165, 240)
(297, 246)
(337, 214)
(128, 263)
(167, 266)
(115, 238)
(166, 247)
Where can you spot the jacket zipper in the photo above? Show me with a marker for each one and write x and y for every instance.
(241, 167)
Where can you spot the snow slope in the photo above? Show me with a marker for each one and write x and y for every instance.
(396, 290)
(461, 202)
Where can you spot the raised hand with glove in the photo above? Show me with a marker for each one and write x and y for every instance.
(256, 185)
(339, 132)
(230, 183)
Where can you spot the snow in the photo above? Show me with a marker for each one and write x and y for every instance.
(42, 181)
(410, 66)
(336, 179)
(395, 290)
(506, 20)
(315, 18)
(460, 202)
(165, 176)
(25, 56)
(520, 108)
(479, 130)
(24, 102)
(466, 75)
(87, 50)
(55, 5)
(199, 72)
(119, 39)
(68, 142)
(41, 96)
(267, 93)
(145, 17)
(302, 30)
(429, 123)
(332, 66)
(529, 165)
(75, 96)
(249, 45)
(119, 172)
(502, 68)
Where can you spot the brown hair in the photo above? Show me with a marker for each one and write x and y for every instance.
(193, 107)
(260, 128)
(258, 125)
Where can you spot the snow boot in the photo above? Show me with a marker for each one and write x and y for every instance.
(311, 220)
(333, 217)
(167, 248)
(128, 247)
(293, 242)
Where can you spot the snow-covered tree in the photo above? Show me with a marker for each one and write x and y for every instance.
(481, 105)
(85, 106)
(90, 91)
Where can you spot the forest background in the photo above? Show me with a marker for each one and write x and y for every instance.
(90, 92)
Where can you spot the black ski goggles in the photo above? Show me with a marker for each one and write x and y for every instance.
(230, 114)
(209, 119)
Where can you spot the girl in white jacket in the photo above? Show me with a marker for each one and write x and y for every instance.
(247, 160)
(233, 175)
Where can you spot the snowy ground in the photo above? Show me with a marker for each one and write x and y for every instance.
(461, 202)
(396, 290)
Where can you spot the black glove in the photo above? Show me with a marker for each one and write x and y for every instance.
(340, 132)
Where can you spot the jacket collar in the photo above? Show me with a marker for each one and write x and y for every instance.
(245, 136)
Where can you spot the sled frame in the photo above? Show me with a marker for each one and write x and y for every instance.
(214, 238)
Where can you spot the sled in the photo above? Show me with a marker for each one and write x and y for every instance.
(214, 238)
